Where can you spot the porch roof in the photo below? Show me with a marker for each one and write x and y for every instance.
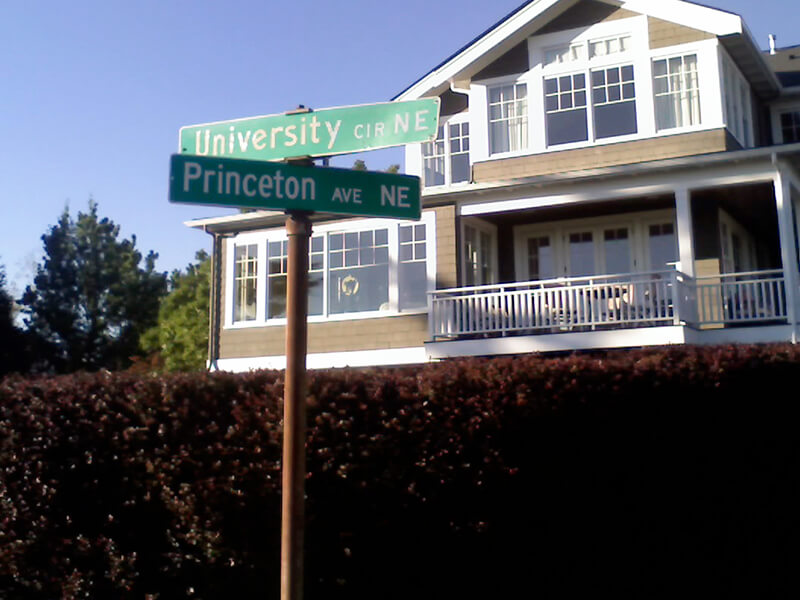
(789, 153)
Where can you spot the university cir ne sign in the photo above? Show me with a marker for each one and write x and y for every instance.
(272, 185)
(318, 133)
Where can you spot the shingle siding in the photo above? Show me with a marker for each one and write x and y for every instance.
(608, 155)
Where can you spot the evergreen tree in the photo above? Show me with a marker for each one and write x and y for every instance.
(13, 346)
(181, 335)
(91, 300)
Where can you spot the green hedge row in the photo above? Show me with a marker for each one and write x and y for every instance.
(639, 474)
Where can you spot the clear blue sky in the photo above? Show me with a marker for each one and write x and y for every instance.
(93, 93)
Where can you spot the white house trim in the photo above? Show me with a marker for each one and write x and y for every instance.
(330, 360)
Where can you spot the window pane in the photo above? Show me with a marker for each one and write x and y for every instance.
(245, 282)
(615, 119)
(359, 289)
(413, 285)
(663, 247)
(277, 297)
(459, 165)
(316, 293)
(541, 264)
(566, 127)
(617, 249)
(581, 254)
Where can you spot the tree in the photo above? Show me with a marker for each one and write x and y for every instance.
(91, 300)
(181, 335)
(360, 165)
(13, 346)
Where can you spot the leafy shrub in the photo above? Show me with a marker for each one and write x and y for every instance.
(630, 473)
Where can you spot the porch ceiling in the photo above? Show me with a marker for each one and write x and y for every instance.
(589, 209)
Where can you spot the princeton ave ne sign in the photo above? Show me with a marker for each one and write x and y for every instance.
(272, 185)
(316, 133)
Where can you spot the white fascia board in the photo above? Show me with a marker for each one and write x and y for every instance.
(237, 218)
(451, 69)
(688, 14)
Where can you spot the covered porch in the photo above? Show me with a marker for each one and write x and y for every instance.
(686, 256)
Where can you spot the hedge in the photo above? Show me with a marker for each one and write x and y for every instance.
(633, 473)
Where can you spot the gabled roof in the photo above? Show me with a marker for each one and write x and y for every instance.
(535, 14)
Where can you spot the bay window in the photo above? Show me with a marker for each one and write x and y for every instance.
(371, 266)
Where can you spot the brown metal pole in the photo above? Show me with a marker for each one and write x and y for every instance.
(298, 229)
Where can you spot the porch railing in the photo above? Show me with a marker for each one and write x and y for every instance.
(608, 302)
(577, 303)
(737, 298)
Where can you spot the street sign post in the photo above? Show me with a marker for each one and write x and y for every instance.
(229, 164)
(323, 132)
(271, 185)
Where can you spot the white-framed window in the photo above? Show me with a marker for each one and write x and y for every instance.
(589, 87)
(445, 160)
(676, 91)
(565, 54)
(245, 283)
(738, 108)
(615, 44)
(508, 117)
(359, 268)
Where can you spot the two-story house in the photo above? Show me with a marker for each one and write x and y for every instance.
(607, 173)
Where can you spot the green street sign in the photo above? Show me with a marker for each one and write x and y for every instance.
(272, 185)
(317, 133)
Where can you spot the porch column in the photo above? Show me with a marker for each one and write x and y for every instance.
(782, 183)
(683, 209)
